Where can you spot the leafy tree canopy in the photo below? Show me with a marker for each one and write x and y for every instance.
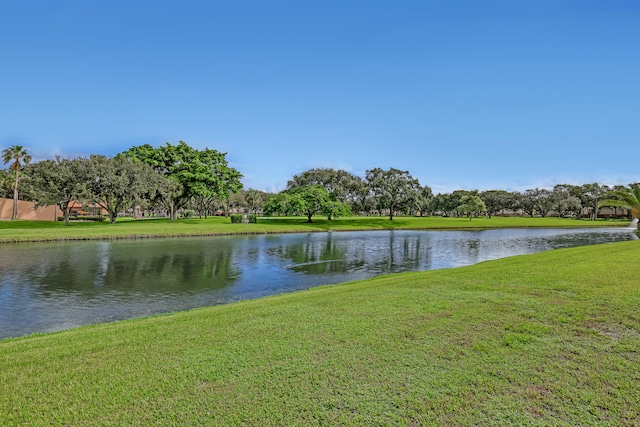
(119, 183)
(340, 184)
(471, 204)
(308, 201)
(392, 188)
(204, 173)
(58, 182)
(496, 200)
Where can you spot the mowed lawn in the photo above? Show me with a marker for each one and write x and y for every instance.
(24, 231)
(545, 339)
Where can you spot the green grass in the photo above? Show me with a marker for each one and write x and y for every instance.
(23, 231)
(551, 339)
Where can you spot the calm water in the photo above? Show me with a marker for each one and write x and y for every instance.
(54, 286)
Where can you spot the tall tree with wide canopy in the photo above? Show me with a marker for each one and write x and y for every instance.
(392, 188)
(445, 203)
(18, 156)
(340, 184)
(574, 198)
(593, 193)
(496, 201)
(58, 182)
(426, 201)
(309, 201)
(628, 198)
(254, 199)
(119, 183)
(535, 201)
(204, 173)
(471, 205)
(563, 202)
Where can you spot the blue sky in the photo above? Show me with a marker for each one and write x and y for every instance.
(483, 94)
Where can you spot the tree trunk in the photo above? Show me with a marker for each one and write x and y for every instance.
(14, 214)
(172, 211)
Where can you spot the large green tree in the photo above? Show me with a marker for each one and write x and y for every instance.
(536, 201)
(118, 183)
(426, 201)
(574, 199)
(340, 184)
(17, 156)
(592, 194)
(203, 173)
(445, 203)
(496, 201)
(58, 182)
(471, 205)
(254, 199)
(392, 188)
(308, 201)
(563, 202)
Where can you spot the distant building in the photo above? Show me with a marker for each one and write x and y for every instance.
(27, 210)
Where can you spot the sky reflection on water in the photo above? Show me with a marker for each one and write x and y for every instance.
(53, 286)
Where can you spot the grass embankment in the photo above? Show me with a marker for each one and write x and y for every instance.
(29, 231)
(545, 339)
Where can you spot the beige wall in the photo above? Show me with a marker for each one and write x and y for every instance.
(26, 211)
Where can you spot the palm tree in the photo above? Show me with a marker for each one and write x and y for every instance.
(628, 198)
(18, 155)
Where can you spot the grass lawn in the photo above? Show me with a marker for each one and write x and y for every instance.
(545, 339)
(17, 231)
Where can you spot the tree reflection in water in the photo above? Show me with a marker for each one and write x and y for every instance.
(53, 286)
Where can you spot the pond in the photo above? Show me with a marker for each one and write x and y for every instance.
(53, 286)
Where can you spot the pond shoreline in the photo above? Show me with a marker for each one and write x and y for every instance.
(494, 342)
(71, 283)
(296, 228)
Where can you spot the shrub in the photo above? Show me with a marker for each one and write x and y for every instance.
(240, 218)
(83, 218)
(188, 213)
(236, 218)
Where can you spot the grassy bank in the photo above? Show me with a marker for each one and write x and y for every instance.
(545, 339)
(25, 231)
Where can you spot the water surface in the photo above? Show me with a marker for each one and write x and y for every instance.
(54, 286)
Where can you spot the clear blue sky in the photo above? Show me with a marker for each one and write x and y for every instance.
(463, 94)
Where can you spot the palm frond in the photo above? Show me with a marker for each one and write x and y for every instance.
(627, 199)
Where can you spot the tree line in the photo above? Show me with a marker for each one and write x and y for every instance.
(181, 179)
(170, 177)
(395, 192)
